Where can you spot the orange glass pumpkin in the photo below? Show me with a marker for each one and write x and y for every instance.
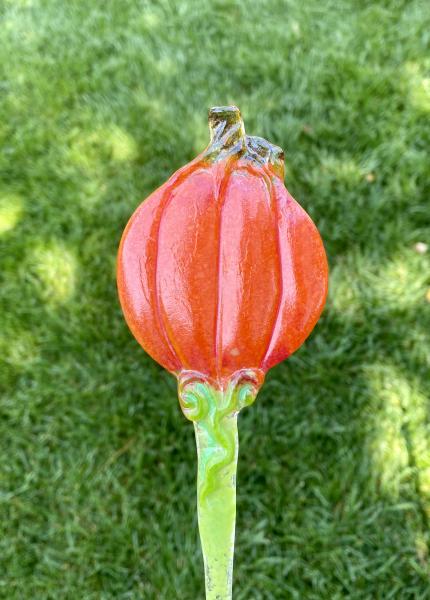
(220, 269)
(221, 275)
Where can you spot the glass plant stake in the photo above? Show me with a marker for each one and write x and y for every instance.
(221, 275)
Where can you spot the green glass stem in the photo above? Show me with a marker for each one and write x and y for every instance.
(216, 504)
(213, 408)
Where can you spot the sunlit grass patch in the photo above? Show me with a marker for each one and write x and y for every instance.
(91, 150)
(343, 170)
(11, 210)
(19, 347)
(54, 269)
(390, 394)
(398, 282)
(398, 432)
(345, 287)
(401, 282)
(418, 85)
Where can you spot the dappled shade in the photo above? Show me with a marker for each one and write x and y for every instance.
(99, 106)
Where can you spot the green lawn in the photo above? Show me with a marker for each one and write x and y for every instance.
(99, 103)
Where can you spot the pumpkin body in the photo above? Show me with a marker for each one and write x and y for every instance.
(220, 269)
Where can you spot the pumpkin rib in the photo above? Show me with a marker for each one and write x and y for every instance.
(250, 270)
(188, 269)
(166, 198)
(286, 255)
(274, 206)
(219, 198)
(267, 175)
(172, 355)
(156, 346)
(157, 306)
(313, 306)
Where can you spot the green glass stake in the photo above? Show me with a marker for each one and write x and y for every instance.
(221, 275)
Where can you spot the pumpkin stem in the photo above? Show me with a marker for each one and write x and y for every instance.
(228, 139)
(227, 132)
(214, 411)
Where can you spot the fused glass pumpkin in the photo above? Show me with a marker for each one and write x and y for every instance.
(220, 269)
